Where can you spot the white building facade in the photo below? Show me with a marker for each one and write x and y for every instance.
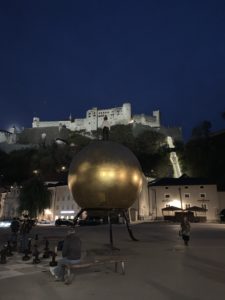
(9, 203)
(94, 118)
(65, 207)
(184, 193)
(152, 199)
(62, 204)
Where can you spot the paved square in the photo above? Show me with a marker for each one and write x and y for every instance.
(159, 266)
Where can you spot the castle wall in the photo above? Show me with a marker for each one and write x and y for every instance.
(7, 137)
(152, 121)
(3, 137)
(94, 119)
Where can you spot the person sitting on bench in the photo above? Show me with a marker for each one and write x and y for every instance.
(71, 254)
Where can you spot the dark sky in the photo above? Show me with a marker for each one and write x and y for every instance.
(62, 57)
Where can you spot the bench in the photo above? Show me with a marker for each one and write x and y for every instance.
(101, 260)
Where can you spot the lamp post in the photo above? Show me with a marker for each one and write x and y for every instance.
(181, 201)
(155, 202)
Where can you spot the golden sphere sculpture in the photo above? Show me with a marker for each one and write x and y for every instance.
(105, 175)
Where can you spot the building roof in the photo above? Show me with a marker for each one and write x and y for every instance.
(55, 183)
(183, 180)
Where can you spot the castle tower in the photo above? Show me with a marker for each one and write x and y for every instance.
(156, 114)
(92, 119)
(126, 109)
(36, 122)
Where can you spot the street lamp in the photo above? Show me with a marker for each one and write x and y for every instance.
(181, 201)
(155, 202)
(35, 172)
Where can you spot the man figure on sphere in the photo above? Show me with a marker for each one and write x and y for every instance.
(105, 129)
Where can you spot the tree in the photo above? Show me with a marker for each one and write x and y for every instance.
(202, 130)
(16, 166)
(34, 197)
(150, 142)
(197, 158)
(122, 134)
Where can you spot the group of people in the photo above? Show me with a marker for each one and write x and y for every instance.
(71, 250)
(20, 230)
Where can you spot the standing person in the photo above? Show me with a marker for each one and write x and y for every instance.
(15, 226)
(185, 230)
(24, 231)
(105, 129)
(71, 254)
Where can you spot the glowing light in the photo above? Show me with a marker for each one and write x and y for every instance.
(107, 173)
(175, 203)
(111, 174)
(174, 159)
(48, 211)
(67, 212)
(135, 178)
(102, 174)
(5, 224)
(122, 175)
(170, 142)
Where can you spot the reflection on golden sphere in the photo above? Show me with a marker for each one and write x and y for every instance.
(105, 174)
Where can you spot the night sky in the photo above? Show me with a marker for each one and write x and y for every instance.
(62, 57)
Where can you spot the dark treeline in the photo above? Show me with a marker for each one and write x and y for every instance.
(202, 156)
(52, 162)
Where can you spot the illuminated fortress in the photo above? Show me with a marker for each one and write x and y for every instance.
(94, 118)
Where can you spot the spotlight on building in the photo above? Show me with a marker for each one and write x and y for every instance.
(61, 142)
